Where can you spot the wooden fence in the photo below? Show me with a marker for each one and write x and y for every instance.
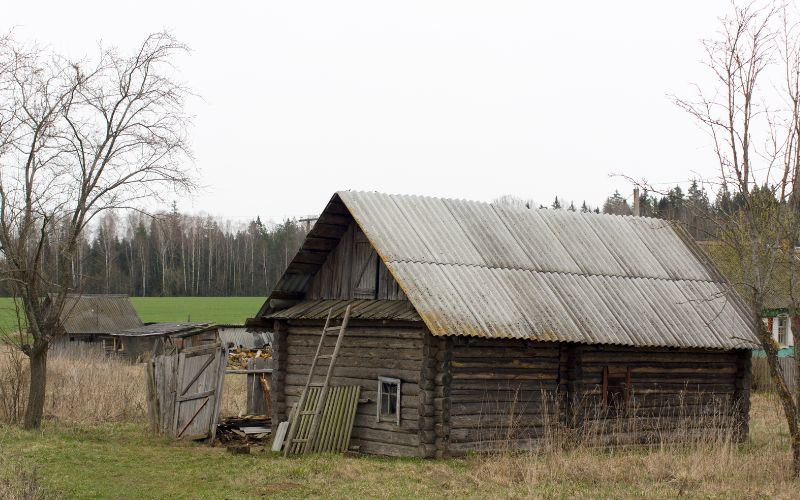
(763, 382)
(184, 390)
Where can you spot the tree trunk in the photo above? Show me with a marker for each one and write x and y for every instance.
(38, 382)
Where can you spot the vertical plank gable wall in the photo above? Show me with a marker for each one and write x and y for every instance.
(354, 271)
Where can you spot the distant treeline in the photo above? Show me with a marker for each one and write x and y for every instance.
(174, 254)
(692, 209)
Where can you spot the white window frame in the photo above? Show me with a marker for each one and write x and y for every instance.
(387, 380)
(782, 320)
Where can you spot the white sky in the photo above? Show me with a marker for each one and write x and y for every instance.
(458, 99)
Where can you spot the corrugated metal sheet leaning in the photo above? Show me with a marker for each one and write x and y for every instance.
(477, 269)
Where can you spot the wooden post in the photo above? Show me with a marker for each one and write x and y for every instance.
(574, 386)
(637, 210)
(441, 402)
(256, 404)
(153, 410)
(741, 397)
(425, 408)
(280, 362)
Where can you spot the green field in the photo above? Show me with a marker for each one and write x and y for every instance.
(233, 310)
(170, 309)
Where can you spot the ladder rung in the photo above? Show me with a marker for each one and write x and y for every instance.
(309, 412)
(325, 356)
(316, 384)
(333, 328)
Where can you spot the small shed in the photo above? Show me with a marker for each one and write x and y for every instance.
(139, 343)
(96, 320)
(477, 326)
(110, 324)
(237, 336)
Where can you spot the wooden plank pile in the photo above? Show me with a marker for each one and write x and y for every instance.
(336, 423)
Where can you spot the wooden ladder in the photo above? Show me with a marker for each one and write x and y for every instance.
(308, 441)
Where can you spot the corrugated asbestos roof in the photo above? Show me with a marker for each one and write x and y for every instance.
(162, 329)
(92, 314)
(477, 269)
(238, 335)
(398, 310)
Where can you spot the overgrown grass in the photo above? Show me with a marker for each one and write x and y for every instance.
(123, 461)
(95, 444)
(167, 309)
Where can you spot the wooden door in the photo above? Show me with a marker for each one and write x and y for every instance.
(200, 376)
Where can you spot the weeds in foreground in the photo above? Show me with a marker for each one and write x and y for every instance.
(86, 387)
(20, 483)
(693, 455)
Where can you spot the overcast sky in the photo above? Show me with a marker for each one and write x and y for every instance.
(457, 99)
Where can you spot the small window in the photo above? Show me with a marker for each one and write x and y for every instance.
(389, 400)
(616, 387)
(782, 330)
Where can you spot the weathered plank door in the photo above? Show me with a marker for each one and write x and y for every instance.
(200, 375)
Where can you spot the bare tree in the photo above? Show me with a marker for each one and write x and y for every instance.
(78, 138)
(752, 115)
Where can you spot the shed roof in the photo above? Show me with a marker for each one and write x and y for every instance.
(478, 269)
(98, 314)
(156, 329)
(238, 335)
(398, 310)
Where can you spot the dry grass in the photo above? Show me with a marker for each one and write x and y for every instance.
(711, 466)
(87, 392)
(85, 387)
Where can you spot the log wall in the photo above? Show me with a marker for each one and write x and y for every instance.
(463, 394)
(503, 393)
(369, 350)
(354, 271)
(659, 390)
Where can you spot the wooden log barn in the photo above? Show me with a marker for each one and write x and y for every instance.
(476, 326)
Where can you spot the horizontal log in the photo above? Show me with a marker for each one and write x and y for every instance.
(499, 385)
(406, 388)
(427, 436)
(426, 397)
(668, 379)
(369, 421)
(492, 422)
(357, 361)
(465, 353)
(517, 408)
(474, 342)
(385, 436)
(351, 342)
(586, 349)
(501, 396)
(669, 370)
(359, 332)
(441, 404)
(507, 362)
(366, 373)
(660, 357)
(510, 375)
(358, 353)
(427, 450)
(426, 410)
(384, 449)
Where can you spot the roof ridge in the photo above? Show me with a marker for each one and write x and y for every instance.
(565, 273)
